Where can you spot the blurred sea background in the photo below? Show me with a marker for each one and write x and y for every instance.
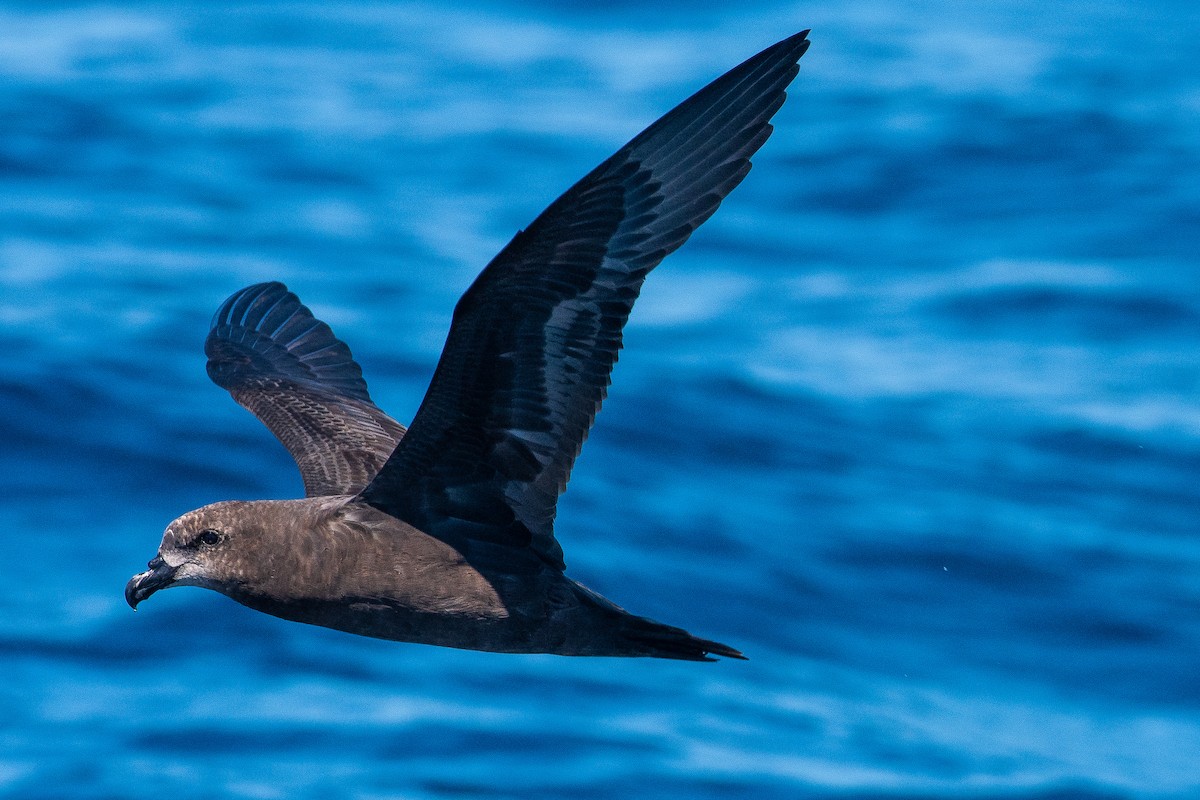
(913, 420)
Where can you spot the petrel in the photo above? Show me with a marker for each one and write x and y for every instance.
(443, 533)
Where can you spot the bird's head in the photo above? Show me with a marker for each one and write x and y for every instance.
(206, 547)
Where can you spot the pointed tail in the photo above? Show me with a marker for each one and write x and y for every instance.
(654, 639)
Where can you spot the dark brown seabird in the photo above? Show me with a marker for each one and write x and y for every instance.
(444, 533)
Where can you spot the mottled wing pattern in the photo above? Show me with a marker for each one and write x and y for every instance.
(288, 368)
(533, 341)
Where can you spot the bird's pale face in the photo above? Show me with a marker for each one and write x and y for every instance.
(198, 549)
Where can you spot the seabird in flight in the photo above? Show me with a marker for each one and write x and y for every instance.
(444, 533)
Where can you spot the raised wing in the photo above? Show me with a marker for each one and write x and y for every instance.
(291, 372)
(533, 341)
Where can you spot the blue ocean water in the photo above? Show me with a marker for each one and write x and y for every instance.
(912, 421)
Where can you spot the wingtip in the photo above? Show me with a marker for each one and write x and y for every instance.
(787, 50)
(797, 41)
(794, 39)
(800, 40)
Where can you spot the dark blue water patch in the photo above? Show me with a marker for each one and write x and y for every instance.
(536, 167)
(169, 633)
(880, 746)
(865, 182)
(712, 788)
(440, 741)
(319, 653)
(105, 649)
(51, 134)
(158, 634)
(321, 666)
(291, 164)
(965, 570)
(1063, 790)
(175, 466)
(587, 14)
(1072, 143)
(1058, 610)
(1103, 629)
(669, 422)
(295, 741)
(84, 781)
(673, 787)
(94, 422)
(19, 405)
(558, 689)
(1141, 483)
(1037, 312)
(61, 417)
(987, 169)
(1115, 449)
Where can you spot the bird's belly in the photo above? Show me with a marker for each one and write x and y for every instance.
(552, 620)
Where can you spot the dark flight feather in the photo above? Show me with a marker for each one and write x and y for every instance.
(533, 341)
(291, 372)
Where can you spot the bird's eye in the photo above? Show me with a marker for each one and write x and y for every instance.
(209, 537)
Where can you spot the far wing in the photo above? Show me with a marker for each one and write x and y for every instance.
(291, 372)
(533, 341)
